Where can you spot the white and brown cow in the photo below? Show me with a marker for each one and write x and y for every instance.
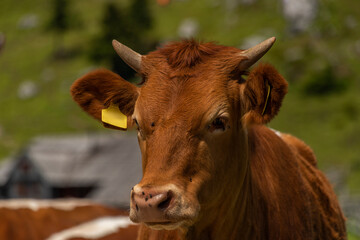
(211, 168)
(71, 219)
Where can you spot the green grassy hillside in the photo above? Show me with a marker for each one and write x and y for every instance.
(328, 123)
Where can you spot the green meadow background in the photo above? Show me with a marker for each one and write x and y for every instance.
(47, 48)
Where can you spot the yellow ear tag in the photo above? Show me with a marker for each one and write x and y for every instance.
(113, 116)
(267, 97)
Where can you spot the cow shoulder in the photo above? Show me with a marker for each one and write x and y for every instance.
(275, 174)
(301, 148)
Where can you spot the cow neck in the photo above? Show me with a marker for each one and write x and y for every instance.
(229, 218)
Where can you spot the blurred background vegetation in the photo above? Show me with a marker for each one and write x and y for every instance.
(47, 44)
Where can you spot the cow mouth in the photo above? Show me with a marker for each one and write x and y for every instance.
(159, 223)
(170, 216)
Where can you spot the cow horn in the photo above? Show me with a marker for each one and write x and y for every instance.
(130, 57)
(252, 55)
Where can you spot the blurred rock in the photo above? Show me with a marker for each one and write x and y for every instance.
(337, 178)
(47, 75)
(351, 208)
(294, 54)
(188, 28)
(27, 89)
(230, 5)
(299, 14)
(351, 22)
(28, 21)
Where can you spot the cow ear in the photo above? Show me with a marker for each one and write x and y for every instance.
(99, 89)
(263, 93)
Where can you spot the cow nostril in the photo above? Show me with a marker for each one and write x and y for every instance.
(165, 204)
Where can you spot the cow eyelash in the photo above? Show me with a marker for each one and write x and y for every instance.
(136, 122)
(137, 126)
(140, 132)
(219, 123)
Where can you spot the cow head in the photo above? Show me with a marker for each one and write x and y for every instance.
(191, 113)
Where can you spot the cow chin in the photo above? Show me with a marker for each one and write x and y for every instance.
(164, 226)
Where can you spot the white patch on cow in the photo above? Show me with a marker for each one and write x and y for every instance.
(94, 229)
(276, 132)
(35, 204)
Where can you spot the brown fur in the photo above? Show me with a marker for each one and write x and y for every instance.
(246, 182)
(188, 53)
(256, 93)
(312, 211)
(26, 224)
(96, 90)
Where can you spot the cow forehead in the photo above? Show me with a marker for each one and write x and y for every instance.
(181, 96)
(185, 80)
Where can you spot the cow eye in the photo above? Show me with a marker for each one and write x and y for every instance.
(218, 124)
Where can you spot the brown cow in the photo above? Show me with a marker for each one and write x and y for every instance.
(30, 219)
(211, 169)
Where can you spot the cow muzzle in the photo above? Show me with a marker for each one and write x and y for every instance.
(160, 207)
